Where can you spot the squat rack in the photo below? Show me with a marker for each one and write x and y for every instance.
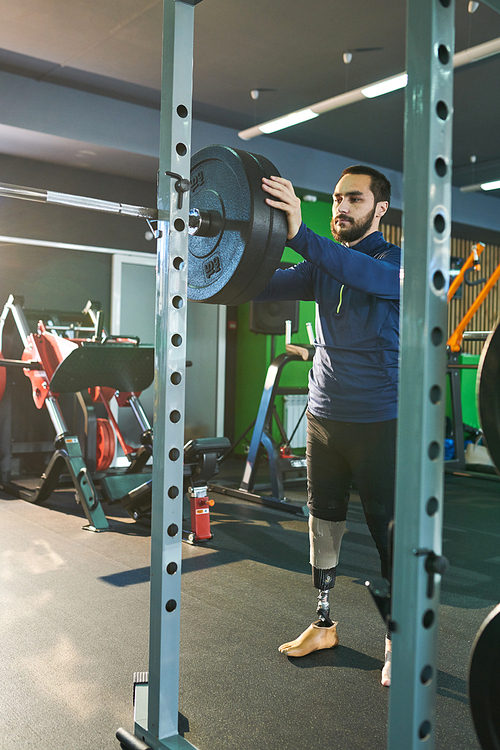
(419, 499)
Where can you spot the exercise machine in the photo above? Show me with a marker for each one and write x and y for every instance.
(201, 463)
(284, 466)
(94, 368)
(454, 349)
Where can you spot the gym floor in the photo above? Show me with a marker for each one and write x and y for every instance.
(75, 620)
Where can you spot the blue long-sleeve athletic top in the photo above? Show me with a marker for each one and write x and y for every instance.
(355, 367)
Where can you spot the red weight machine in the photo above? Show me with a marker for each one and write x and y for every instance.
(97, 368)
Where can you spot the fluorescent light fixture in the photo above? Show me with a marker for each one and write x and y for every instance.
(384, 87)
(470, 188)
(285, 122)
(465, 57)
(494, 185)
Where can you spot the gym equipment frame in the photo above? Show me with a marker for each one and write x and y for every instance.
(105, 366)
(420, 448)
(427, 223)
(281, 462)
(453, 367)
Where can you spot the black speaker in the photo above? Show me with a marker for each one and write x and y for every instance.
(269, 317)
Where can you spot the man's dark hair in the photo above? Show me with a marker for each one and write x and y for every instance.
(379, 185)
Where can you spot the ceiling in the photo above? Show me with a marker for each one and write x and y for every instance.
(290, 50)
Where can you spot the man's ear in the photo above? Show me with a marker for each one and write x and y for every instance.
(381, 209)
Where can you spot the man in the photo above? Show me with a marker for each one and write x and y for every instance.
(352, 403)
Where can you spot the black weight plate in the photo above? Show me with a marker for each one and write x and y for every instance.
(484, 682)
(234, 264)
(488, 395)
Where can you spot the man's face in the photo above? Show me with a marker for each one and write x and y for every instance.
(354, 209)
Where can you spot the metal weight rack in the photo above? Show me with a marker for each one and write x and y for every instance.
(157, 703)
(420, 449)
(418, 562)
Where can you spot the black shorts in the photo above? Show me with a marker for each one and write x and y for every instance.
(340, 453)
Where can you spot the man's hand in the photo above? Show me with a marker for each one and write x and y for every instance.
(283, 197)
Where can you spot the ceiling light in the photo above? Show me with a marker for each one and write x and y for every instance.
(494, 185)
(285, 122)
(386, 86)
(465, 57)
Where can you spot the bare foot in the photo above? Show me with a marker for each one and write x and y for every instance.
(313, 638)
(386, 669)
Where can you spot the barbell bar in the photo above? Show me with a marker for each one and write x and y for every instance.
(76, 201)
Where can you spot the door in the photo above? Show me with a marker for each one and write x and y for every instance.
(133, 291)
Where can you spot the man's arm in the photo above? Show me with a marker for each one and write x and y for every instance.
(379, 276)
(289, 283)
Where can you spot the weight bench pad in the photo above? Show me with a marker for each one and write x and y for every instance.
(124, 368)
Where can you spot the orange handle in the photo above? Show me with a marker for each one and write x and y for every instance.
(456, 337)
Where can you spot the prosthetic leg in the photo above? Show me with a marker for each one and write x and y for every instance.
(325, 538)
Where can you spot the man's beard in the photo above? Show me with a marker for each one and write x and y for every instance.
(355, 231)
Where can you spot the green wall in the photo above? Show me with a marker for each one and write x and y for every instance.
(254, 349)
(467, 391)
